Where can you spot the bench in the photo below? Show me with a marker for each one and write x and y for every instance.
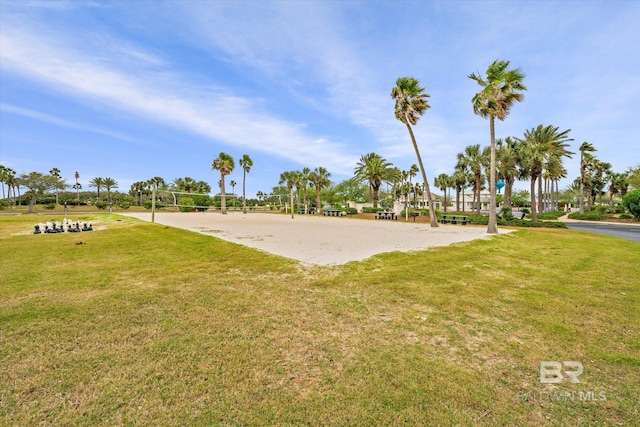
(386, 215)
(454, 219)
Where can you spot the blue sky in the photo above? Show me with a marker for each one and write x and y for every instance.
(135, 89)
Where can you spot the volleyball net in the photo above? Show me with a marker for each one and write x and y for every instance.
(188, 202)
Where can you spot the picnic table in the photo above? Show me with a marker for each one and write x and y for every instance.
(386, 215)
(454, 219)
(414, 215)
(333, 212)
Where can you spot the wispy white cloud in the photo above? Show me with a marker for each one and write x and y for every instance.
(48, 118)
(309, 82)
(154, 95)
(307, 43)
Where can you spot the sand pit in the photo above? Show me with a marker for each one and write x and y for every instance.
(318, 240)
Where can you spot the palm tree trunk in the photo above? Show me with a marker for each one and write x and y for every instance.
(508, 191)
(291, 200)
(540, 196)
(492, 228)
(463, 206)
(432, 211)
(445, 199)
(534, 217)
(223, 196)
(244, 194)
(478, 193)
(581, 182)
(305, 199)
(473, 202)
(318, 199)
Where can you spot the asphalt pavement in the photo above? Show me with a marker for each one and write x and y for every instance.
(629, 232)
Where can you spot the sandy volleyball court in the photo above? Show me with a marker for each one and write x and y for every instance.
(316, 239)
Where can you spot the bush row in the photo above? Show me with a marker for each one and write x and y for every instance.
(484, 220)
(588, 216)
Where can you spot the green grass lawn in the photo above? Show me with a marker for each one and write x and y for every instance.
(144, 324)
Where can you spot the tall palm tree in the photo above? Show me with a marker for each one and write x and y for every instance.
(55, 172)
(246, 163)
(374, 170)
(463, 178)
(109, 184)
(443, 181)
(319, 178)
(189, 185)
(616, 182)
(202, 187)
(98, 183)
(538, 145)
(459, 179)
(410, 104)
(3, 178)
(500, 90)
(507, 166)
(585, 147)
(13, 184)
(233, 191)
(411, 173)
(224, 163)
(602, 171)
(289, 179)
(304, 183)
(137, 189)
(77, 186)
(473, 159)
(554, 170)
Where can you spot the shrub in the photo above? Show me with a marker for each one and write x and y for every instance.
(124, 204)
(50, 206)
(550, 215)
(625, 216)
(386, 203)
(351, 211)
(3, 204)
(147, 204)
(202, 202)
(588, 216)
(506, 212)
(186, 204)
(101, 205)
(537, 224)
(526, 211)
(514, 222)
(618, 209)
(601, 209)
(478, 219)
(631, 201)
(371, 210)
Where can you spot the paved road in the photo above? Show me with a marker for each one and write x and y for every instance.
(629, 232)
